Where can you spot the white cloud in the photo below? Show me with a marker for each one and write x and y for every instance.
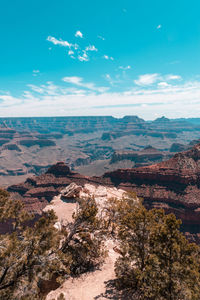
(91, 48)
(59, 42)
(49, 88)
(79, 34)
(173, 77)
(108, 57)
(147, 79)
(73, 79)
(112, 80)
(70, 52)
(159, 26)
(163, 84)
(35, 88)
(83, 56)
(75, 51)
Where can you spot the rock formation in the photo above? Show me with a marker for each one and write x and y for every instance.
(143, 157)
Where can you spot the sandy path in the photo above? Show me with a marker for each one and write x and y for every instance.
(91, 285)
(62, 209)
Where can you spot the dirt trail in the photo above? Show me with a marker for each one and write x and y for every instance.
(95, 285)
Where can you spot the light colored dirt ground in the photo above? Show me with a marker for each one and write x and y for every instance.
(94, 285)
(62, 210)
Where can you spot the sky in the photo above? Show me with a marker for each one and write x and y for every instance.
(108, 57)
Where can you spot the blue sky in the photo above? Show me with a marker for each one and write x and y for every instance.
(117, 58)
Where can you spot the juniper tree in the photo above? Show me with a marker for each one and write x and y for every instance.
(157, 261)
(178, 276)
(28, 254)
(84, 241)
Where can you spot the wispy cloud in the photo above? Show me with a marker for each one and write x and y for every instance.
(91, 48)
(49, 88)
(173, 77)
(79, 34)
(108, 57)
(125, 68)
(163, 84)
(149, 79)
(79, 82)
(101, 37)
(84, 56)
(61, 42)
(113, 81)
(108, 78)
(70, 52)
(73, 79)
(36, 72)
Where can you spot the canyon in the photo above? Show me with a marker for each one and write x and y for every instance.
(89, 145)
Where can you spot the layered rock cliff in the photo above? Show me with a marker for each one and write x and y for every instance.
(173, 185)
(28, 146)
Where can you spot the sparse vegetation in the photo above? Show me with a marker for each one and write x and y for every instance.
(156, 261)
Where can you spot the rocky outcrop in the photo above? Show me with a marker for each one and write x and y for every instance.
(59, 170)
(177, 147)
(37, 191)
(144, 157)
